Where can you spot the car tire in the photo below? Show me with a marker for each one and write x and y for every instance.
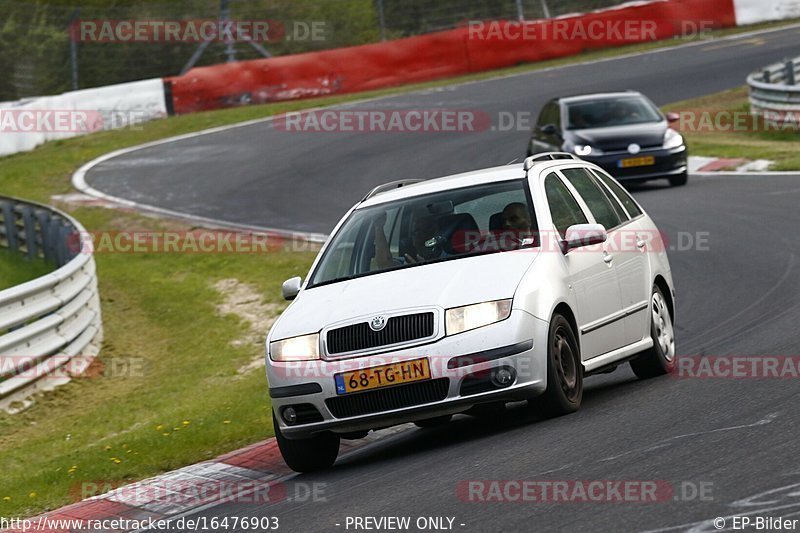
(433, 422)
(660, 359)
(564, 372)
(679, 180)
(310, 454)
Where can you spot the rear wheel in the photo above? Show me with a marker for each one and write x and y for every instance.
(660, 359)
(564, 372)
(679, 180)
(310, 454)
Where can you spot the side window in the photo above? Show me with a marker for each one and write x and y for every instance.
(550, 115)
(621, 194)
(564, 209)
(601, 207)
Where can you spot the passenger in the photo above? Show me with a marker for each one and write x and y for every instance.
(516, 217)
(517, 226)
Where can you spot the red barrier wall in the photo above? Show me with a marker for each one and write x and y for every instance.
(444, 54)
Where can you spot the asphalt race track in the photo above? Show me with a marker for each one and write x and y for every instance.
(735, 261)
(737, 295)
(256, 175)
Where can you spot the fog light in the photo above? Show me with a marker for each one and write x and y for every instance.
(289, 415)
(503, 377)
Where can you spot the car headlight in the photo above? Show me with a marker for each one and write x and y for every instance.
(303, 348)
(672, 139)
(586, 149)
(460, 319)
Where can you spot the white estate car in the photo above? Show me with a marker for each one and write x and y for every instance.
(441, 296)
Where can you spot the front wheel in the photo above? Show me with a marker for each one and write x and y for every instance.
(564, 372)
(679, 180)
(307, 455)
(660, 359)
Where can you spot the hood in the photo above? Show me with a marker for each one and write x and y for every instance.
(447, 284)
(620, 137)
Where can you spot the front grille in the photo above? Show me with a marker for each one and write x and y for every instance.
(398, 329)
(398, 397)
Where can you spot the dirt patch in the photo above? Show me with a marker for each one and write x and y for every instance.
(244, 301)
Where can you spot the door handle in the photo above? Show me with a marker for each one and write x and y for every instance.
(607, 257)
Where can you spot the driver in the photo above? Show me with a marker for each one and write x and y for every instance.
(423, 230)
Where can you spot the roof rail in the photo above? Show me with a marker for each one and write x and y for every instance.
(547, 156)
(389, 186)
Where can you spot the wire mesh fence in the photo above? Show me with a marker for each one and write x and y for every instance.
(40, 53)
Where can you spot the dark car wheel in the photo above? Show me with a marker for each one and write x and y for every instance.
(679, 180)
(660, 359)
(564, 372)
(307, 455)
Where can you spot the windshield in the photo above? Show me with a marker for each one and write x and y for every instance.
(611, 112)
(443, 226)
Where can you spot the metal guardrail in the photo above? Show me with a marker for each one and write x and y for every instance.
(775, 91)
(50, 323)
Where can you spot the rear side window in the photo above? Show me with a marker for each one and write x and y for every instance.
(563, 207)
(604, 211)
(622, 194)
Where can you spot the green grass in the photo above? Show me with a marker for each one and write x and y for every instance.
(752, 141)
(161, 324)
(16, 268)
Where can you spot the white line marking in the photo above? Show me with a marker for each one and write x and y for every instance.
(668, 442)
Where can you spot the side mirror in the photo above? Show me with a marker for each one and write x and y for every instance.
(549, 129)
(673, 118)
(291, 287)
(581, 235)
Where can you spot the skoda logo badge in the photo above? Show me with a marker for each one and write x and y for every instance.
(377, 323)
(634, 148)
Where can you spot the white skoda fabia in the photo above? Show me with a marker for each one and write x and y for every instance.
(462, 293)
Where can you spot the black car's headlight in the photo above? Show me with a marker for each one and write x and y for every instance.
(586, 149)
(672, 139)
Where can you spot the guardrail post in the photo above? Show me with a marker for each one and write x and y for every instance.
(30, 231)
(44, 225)
(766, 76)
(790, 77)
(11, 225)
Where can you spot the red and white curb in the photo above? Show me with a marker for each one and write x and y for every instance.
(255, 474)
(711, 165)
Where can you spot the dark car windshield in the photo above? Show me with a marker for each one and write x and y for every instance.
(443, 226)
(610, 112)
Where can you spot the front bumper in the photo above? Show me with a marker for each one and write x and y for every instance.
(668, 163)
(312, 382)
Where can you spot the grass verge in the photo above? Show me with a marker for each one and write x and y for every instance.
(720, 125)
(16, 269)
(169, 390)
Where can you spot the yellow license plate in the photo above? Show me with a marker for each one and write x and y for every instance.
(637, 162)
(382, 376)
